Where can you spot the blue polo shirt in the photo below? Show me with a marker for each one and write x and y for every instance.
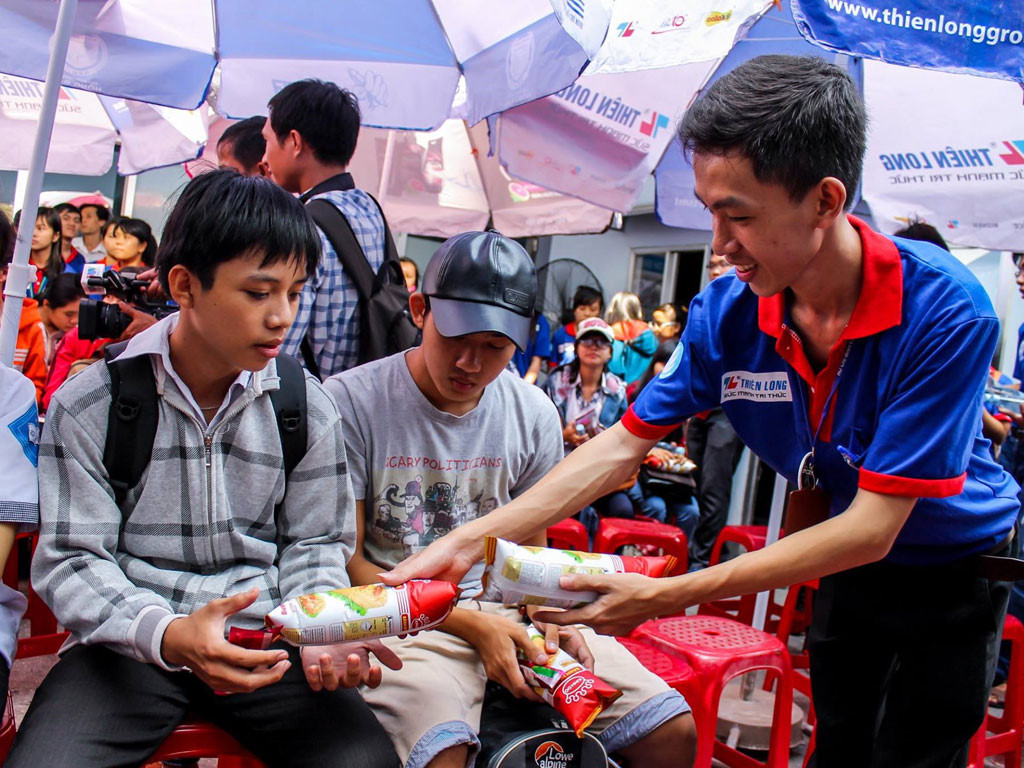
(908, 374)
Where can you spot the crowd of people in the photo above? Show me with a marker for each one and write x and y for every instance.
(248, 480)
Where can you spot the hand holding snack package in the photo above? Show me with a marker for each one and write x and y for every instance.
(574, 691)
(354, 613)
(520, 575)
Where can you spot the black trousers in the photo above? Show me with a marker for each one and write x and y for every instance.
(100, 708)
(713, 445)
(902, 660)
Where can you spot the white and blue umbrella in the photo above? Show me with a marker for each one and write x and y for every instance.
(88, 126)
(404, 59)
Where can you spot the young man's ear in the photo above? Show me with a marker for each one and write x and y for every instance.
(182, 284)
(831, 201)
(298, 143)
(418, 308)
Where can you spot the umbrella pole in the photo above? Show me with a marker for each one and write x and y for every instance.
(18, 275)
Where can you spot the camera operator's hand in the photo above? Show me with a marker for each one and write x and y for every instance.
(140, 320)
(154, 291)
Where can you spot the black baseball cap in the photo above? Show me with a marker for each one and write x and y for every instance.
(482, 281)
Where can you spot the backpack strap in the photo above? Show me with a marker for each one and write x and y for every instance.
(131, 421)
(290, 411)
(335, 225)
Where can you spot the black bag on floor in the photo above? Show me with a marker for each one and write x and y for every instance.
(524, 734)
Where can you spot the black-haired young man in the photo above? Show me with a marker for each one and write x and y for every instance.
(242, 147)
(89, 243)
(311, 135)
(849, 362)
(213, 532)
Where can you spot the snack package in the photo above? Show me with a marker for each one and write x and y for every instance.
(520, 575)
(355, 613)
(577, 693)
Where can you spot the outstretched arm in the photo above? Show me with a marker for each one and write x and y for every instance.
(593, 470)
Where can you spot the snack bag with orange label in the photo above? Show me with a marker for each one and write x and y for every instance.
(577, 693)
(355, 613)
(520, 575)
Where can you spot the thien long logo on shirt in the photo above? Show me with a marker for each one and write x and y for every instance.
(759, 387)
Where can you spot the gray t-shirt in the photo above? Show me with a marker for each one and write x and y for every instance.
(422, 471)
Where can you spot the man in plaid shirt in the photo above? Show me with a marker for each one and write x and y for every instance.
(213, 533)
(311, 135)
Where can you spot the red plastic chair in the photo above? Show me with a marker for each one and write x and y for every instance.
(673, 670)
(750, 537)
(198, 739)
(1003, 735)
(718, 650)
(569, 534)
(7, 729)
(44, 637)
(616, 532)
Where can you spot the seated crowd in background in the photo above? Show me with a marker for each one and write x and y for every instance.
(48, 347)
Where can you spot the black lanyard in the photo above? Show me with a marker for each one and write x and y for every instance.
(806, 478)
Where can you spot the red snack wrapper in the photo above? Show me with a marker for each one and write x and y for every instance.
(573, 690)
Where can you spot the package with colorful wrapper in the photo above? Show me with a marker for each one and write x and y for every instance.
(573, 690)
(520, 575)
(354, 613)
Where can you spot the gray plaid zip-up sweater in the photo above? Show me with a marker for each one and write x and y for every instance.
(200, 524)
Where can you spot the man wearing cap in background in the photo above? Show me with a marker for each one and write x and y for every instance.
(459, 435)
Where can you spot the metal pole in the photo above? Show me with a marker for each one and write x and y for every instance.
(18, 275)
(774, 525)
(761, 603)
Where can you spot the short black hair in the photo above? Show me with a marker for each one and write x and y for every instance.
(797, 119)
(222, 215)
(326, 116)
(918, 230)
(65, 289)
(138, 229)
(586, 295)
(63, 207)
(102, 212)
(246, 140)
(7, 238)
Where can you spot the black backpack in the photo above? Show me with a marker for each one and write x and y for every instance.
(134, 415)
(515, 733)
(385, 323)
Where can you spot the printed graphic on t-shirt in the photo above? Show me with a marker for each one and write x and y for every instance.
(422, 498)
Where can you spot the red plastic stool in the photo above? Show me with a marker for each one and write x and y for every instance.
(673, 670)
(197, 739)
(789, 621)
(750, 537)
(718, 650)
(7, 729)
(615, 532)
(569, 534)
(1003, 735)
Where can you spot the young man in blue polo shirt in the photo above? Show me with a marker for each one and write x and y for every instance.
(855, 363)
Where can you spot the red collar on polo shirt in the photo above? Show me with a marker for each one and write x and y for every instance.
(879, 307)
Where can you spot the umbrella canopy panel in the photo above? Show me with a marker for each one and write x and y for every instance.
(402, 58)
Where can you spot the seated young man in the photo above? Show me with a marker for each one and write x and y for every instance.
(214, 533)
(457, 436)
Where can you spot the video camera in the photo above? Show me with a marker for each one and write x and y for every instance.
(99, 320)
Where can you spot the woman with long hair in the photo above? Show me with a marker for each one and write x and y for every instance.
(45, 255)
(634, 341)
